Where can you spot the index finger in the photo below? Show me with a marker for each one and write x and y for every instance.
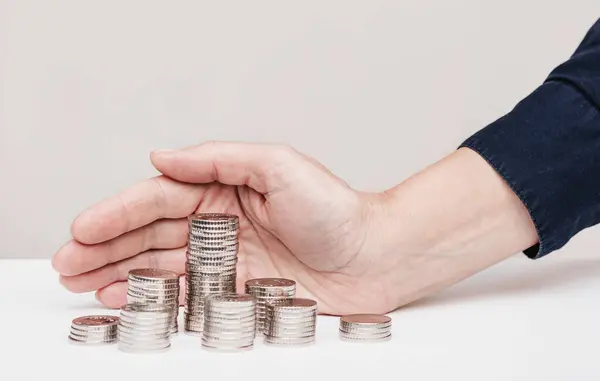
(141, 204)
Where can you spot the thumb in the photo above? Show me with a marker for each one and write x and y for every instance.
(263, 167)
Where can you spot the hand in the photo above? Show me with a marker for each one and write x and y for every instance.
(297, 221)
(352, 252)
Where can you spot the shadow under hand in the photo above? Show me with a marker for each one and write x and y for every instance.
(527, 277)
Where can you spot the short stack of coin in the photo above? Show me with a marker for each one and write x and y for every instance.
(365, 328)
(155, 286)
(94, 329)
(291, 323)
(211, 263)
(229, 322)
(269, 291)
(145, 327)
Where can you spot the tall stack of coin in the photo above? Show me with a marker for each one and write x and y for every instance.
(145, 327)
(269, 291)
(291, 323)
(155, 286)
(211, 263)
(94, 329)
(229, 322)
(365, 328)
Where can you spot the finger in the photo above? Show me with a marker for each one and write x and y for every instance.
(263, 167)
(75, 258)
(173, 260)
(115, 295)
(143, 203)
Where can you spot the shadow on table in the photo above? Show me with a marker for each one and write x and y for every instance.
(511, 282)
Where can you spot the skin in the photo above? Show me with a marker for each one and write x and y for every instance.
(351, 251)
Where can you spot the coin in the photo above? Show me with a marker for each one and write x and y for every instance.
(94, 329)
(365, 319)
(365, 328)
(154, 274)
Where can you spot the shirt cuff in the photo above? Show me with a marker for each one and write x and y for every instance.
(547, 149)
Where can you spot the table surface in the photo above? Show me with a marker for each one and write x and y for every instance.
(519, 320)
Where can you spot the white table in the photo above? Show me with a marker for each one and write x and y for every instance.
(521, 320)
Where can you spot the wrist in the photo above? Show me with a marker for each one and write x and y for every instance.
(446, 223)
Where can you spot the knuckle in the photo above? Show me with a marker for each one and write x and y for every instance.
(283, 153)
(282, 158)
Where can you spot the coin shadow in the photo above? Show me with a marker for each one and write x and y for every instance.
(511, 283)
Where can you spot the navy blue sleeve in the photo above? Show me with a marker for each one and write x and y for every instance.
(547, 148)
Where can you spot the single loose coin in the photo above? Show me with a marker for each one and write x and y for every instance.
(369, 319)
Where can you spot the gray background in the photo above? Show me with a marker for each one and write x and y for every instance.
(375, 90)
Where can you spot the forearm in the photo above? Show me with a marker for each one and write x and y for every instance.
(459, 206)
(452, 220)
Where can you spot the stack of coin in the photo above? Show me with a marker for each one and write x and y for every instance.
(291, 323)
(155, 286)
(211, 263)
(94, 329)
(269, 291)
(229, 322)
(145, 327)
(365, 328)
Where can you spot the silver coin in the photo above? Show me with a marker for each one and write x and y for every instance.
(153, 287)
(373, 335)
(265, 283)
(91, 342)
(232, 300)
(140, 308)
(201, 250)
(278, 341)
(365, 331)
(222, 348)
(152, 274)
(213, 216)
(344, 337)
(144, 349)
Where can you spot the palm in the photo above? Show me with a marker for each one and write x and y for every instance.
(286, 242)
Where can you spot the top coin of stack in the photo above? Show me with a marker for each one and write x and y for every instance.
(155, 286)
(94, 329)
(291, 323)
(211, 263)
(365, 328)
(269, 291)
